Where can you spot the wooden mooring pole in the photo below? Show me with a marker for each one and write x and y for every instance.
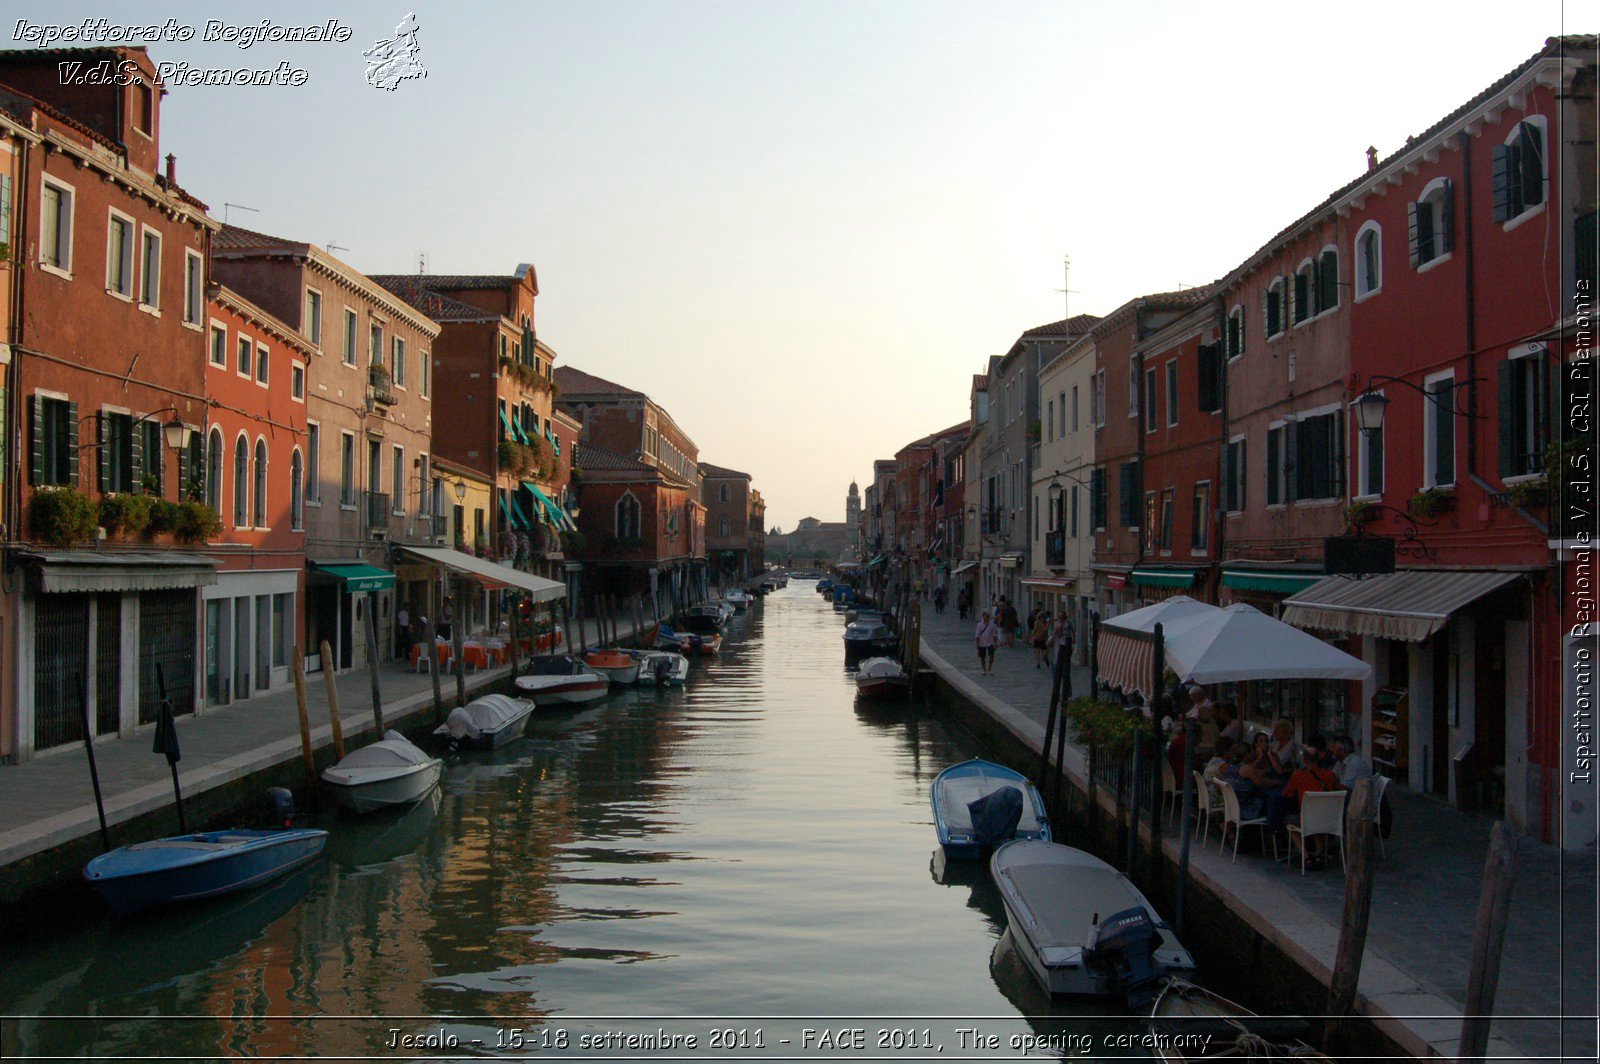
(1488, 939)
(305, 713)
(372, 665)
(332, 690)
(1353, 923)
(94, 769)
(1191, 736)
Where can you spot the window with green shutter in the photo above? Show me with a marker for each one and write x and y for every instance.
(1327, 280)
(1523, 414)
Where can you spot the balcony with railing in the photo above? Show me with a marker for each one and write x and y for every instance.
(377, 511)
(380, 385)
(1055, 549)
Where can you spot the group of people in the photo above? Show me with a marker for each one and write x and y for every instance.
(1270, 772)
(1049, 635)
(404, 636)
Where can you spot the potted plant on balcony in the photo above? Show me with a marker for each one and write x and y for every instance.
(1431, 502)
(124, 514)
(62, 517)
(197, 523)
(1359, 514)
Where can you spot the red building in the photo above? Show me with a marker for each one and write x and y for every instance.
(1465, 249)
(256, 379)
(643, 529)
(1180, 421)
(107, 360)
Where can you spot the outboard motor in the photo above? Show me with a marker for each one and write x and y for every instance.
(1121, 949)
(995, 816)
(280, 806)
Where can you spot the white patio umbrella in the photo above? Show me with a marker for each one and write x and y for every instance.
(1242, 643)
(1164, 613)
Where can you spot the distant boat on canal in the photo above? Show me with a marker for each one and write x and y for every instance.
(207, 864)
(486, 722)
(966, 796)
(877, 677)
(1083, 927)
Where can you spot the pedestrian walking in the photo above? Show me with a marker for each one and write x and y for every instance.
(402, 632)
(1008, 620)
(938, 599)
(1061, 637)
(963, 603)
(987, 636)
(1041, 638)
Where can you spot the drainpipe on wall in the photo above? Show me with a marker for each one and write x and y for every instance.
(1222, 391)
(1465, 143)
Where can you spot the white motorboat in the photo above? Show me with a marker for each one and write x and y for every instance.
(561, 679)
(389, 773)
(661, 668)
(881, 676)
(739, 599)
(485, 723)
(618, 666)
(1082, 927)
(869, 635)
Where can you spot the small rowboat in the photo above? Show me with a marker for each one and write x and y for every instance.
(877, 677)
(965, 832)
(1197, 1024)
(206, 864)
(617, 666)
(485, 723)
(389, 773)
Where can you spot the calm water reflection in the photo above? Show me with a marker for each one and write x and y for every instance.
(753, 845)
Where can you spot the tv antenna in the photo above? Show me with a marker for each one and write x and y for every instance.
(1067, 292)
(422, 262)
(235, 206)
(331, 247)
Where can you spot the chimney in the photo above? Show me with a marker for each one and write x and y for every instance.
(172, 170)
(1372, 159)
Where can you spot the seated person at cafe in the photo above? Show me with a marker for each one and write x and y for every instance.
(1219, 759)
(1248, 779)
(1229, 726)
(1283, 752)
(1315, 774)
(1349, 765)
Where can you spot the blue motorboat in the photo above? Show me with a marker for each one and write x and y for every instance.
(205, 864)
(979, 805)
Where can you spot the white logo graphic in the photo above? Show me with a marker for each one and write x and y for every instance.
(395, 60)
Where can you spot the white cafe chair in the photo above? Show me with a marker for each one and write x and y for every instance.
(1321, 813)
(1231, 815)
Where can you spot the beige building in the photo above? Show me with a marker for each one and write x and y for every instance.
(1060, 576)
(370, 483)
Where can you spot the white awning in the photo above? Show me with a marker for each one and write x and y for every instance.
(1242, 643)
(89, 570)
(538, 587)
(1409, 605)
(963, 567)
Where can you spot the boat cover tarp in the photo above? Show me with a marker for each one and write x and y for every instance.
(392, 751)
(492, 712)
(1068, 899)
(995, 816)
(957, 794)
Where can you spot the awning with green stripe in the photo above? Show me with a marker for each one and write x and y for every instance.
(557, 515)
(508, 513)
(1273, 583)
(1163, 577)
(505, 423)
(356, 576)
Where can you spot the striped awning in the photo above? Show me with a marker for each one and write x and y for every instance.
(1163, 577)
(1269, 582)
(1410, 605)
(1124, 661)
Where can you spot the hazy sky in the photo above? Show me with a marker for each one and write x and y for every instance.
(801, 227)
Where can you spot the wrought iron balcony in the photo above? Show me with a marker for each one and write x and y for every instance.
(377, 511)
(380, 384)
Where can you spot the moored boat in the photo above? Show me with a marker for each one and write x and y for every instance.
(1193, 1023)
(561, 679)
(389, 773)
(972, 804)
(870, 636)
(661, 668)
(704, 633)
(617, 666)
(876, 677)
(485, 723)
(206, 864)
(1082, 927)
(739, 599)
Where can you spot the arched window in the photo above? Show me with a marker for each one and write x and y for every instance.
(1273, 307)
(261, 484)
(1432, 220)
(628, 521)
(241, 483)
(1303, 292)
(723, 529)
(722, 494)
(1369, 260)
(214, 470)
(297, 502)
(1327, 276)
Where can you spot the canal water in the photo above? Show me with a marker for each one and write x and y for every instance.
(741, 862)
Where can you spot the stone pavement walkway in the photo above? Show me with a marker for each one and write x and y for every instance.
(49, 800)
(1425, 893)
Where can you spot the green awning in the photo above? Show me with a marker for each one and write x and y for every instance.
(876, 561)
(1275, 583)
(1163, 577)
(505, 423)
(357, 576)
(508, 513)
(557, 515)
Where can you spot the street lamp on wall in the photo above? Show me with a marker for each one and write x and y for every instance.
(460, 487)
(176, 432)
(1370, 405)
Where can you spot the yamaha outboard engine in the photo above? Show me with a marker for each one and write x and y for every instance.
(995, 816)
(1121, 949)
(280, 806)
